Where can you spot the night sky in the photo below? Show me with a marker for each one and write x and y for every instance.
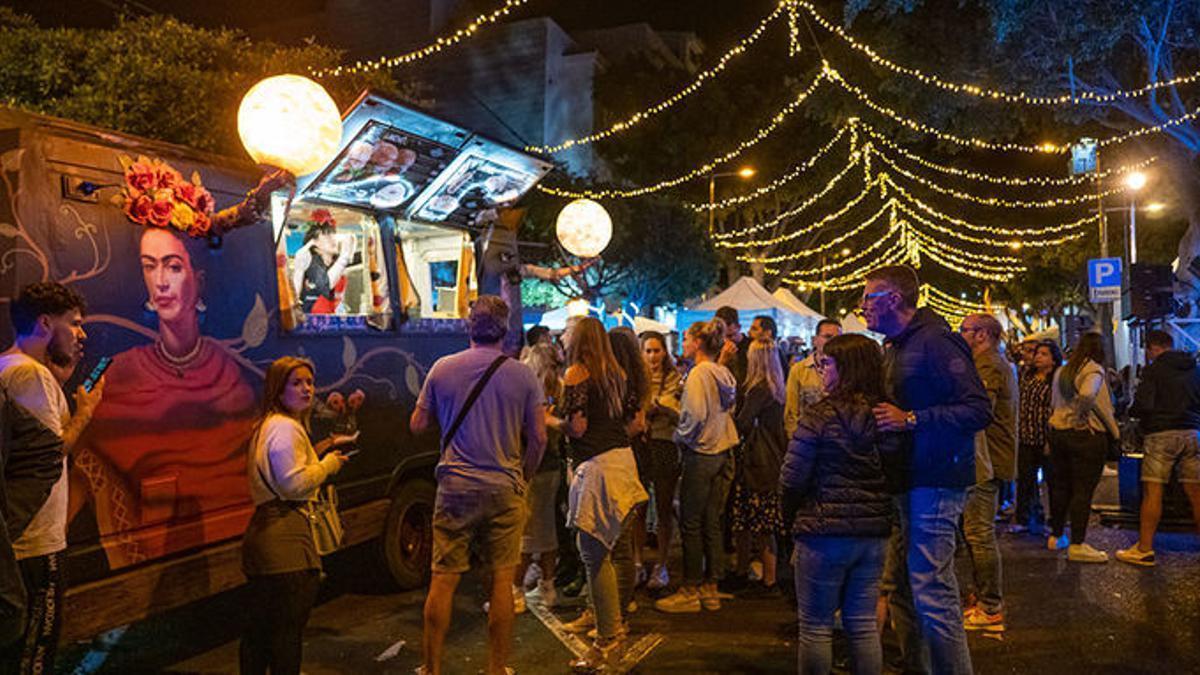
(718, 22)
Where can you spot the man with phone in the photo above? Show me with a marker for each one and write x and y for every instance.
(39, 431)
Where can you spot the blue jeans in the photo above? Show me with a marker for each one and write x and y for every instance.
(925, 606)
(702, 494)
(979, 533)
(833, 573)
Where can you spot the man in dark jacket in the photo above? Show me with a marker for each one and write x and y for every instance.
(1167, 407)
(938, 399)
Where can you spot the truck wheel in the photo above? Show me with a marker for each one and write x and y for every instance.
(408, 534)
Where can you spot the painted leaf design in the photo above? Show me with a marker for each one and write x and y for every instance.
(11, 160)
(413, 379)
(7, 230)
(254, 330)
(349, 353)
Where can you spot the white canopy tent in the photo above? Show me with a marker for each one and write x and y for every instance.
(789, 298)
(750, 299)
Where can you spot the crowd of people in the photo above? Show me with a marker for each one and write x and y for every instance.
(871, 471)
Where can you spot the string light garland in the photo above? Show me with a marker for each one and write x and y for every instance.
(799, 232)
(1011, 181)
(987, 258)
(721, 238)
(792, 174)
(759, 136)
(823, 247)
(1056, 202)
(963, 236)
(697, 83)
(985, 92)
(966, 259)
(430, 49)
(937, 294)
(1007, 233)
(979, 143)
(893, 255)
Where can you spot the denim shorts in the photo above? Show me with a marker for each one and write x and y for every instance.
(1166, 449)
(487, 520)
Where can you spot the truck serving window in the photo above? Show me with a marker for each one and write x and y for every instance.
(435, 267)
(332, 271)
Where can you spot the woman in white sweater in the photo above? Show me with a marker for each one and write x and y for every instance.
(279, 556)
(1081, 426)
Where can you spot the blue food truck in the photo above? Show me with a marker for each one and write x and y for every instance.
(367, 270)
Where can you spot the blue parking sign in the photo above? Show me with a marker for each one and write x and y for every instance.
(1104, 279)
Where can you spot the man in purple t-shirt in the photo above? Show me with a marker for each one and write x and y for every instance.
(481, 475)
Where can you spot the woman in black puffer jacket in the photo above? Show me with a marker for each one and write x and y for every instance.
(836, 494)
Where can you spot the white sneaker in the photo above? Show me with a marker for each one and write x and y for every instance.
(546, 593)
(659, 579)
(1084, 553)
(533, 574)
(1057, 543)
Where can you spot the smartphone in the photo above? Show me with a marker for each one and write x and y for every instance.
(93, 377)
(349, 453)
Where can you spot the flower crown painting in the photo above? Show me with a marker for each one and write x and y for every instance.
(157, 195)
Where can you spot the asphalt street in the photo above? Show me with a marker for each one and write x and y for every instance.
(1062, 617)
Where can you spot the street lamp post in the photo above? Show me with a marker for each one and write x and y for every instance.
(744, 172)
(1135, 182)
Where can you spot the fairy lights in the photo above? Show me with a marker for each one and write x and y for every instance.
(759, 136)
(798, 232)
(700, 80)
(979, 143)
(792, 174)
(964, 236)
(985, 92)
(1057, 202)
(823, 247)
(430, 49)
(1006, 234)
(1011, 181)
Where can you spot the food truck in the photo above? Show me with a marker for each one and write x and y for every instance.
(367, 270)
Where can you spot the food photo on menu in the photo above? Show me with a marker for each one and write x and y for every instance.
(476, 184)
(383, 168)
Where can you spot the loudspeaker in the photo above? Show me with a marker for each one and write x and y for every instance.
(1151, 292)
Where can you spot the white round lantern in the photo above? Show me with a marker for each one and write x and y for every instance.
(290, 122)
(584, 228)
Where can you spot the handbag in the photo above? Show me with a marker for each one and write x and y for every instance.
(324, 521)
(321, 513)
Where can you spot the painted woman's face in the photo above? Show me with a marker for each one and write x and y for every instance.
(298, 392)
(169, 276)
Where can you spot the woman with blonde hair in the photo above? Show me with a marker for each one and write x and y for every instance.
(757, 518)
(279, 555)
(597, 408)
(707, 434)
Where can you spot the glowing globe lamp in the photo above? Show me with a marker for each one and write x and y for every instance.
(290, 122)
(584, 228)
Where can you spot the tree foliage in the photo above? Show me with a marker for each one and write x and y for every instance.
(153, 76)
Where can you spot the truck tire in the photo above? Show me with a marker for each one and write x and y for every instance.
(408, 533)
